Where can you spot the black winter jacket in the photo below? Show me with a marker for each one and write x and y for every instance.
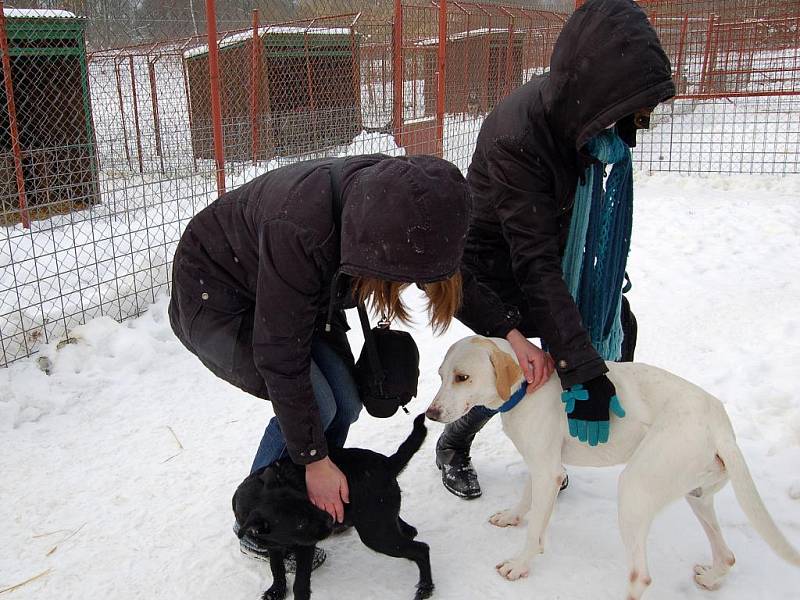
(606, 64)
(253, 272)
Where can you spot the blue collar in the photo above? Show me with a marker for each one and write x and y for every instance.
(515, 398)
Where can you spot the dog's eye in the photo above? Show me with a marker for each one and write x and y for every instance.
(461, 378)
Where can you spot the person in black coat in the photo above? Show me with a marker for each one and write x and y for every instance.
(262, 274)
(607, 68)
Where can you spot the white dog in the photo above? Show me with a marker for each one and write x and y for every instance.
(677, 441)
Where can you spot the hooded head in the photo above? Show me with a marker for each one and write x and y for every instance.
(404, 219)
(607, 63)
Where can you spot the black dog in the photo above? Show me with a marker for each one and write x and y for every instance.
(272, 506)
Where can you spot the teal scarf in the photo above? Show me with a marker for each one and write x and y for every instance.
(599, 242)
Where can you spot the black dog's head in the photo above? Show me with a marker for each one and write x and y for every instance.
(279, 515)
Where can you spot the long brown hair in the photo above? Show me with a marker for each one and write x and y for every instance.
(384, 298)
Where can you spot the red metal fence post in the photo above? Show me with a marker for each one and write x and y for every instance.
(136, 115)
(355, 55)
(12, 120)
(151, 68)
(255, 86)
(184, 70)
(441, 79)
(509, 53)
(309, 74)
(708, 56)
(679, 81)
(122, 112)
(488, 97)
(464, 75)
(312, 102)
(397, 72)
(216, 104)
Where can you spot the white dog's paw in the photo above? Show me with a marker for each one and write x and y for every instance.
(505, 518)
(707, 577)
(513, 569)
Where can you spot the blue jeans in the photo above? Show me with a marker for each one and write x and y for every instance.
(336, 395)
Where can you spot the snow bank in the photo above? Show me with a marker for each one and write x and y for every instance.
(37, 13)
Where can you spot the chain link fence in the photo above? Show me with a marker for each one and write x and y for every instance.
(117, 127)
(736, 65)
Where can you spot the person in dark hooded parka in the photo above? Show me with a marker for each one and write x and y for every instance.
(607, 69)
(262, 275)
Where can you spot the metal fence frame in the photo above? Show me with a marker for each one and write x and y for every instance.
(418, 76)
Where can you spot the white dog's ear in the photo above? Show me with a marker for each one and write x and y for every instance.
(506, 371)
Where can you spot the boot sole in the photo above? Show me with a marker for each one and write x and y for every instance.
(455, 492)
(462, 496)
(564, 485)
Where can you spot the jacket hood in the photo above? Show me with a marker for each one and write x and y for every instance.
(607, 63)
(404, 219)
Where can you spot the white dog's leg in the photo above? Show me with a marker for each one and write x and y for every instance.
(659, 472)
(513, 516)
(545, 483)
(710, 576)
(636, 513)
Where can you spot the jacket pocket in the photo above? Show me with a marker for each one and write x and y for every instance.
(216, 314)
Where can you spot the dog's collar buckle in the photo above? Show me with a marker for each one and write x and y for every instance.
(515, 398)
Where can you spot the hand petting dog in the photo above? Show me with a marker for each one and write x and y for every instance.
(536, 364)
(327, 488)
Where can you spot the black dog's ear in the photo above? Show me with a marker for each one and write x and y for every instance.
(254, 525)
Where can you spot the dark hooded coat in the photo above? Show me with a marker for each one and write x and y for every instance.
(253, 272)
(606, 64)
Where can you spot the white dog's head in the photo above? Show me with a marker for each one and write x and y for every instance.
(476, 371)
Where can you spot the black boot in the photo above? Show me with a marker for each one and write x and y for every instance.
(452, 454)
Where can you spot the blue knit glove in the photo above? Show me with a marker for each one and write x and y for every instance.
(587, 406)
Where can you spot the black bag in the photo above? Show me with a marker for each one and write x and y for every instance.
(387, 371)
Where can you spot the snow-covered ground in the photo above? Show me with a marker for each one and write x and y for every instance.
(118, 467)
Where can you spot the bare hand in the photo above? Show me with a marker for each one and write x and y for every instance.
(537, 365)
(327, 488)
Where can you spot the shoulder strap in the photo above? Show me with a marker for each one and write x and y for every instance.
(370, 346)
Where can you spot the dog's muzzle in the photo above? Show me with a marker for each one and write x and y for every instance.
(434, 413)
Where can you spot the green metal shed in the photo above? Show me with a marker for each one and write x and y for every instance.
(50, 82)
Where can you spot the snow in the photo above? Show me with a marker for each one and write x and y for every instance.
(434, 41)
(37, 13)
(119, 466)
(236, 38)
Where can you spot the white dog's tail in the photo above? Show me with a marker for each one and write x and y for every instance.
(752, 504)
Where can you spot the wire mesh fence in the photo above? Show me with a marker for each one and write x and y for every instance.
(736, 66)
(110, 142)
